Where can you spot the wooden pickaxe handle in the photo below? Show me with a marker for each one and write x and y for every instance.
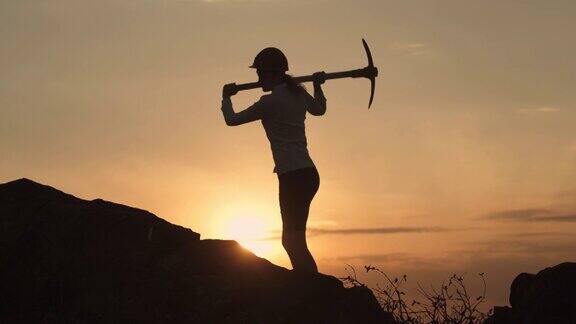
(358, 73)
(369, 72)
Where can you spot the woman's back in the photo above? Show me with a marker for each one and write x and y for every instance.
(283, 122)
(282, 112)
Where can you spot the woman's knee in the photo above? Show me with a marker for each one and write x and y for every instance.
(293, 239)
(287, 240)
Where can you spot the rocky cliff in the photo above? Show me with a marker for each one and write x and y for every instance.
(65, 259)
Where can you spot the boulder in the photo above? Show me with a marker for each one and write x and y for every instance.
(546, 297)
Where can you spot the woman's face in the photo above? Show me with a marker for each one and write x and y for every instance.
(268, 79)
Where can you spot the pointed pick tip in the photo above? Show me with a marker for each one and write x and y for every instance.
(372, 88)
(372, 79)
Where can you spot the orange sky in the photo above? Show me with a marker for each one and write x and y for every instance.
(465, 162)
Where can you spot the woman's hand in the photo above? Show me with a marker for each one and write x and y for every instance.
(319, 78)
(229, 90)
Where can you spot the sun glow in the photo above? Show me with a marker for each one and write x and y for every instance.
(250, 232)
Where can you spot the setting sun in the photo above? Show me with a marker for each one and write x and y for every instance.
(249, 231)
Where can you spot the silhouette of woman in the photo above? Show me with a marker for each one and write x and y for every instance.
(282, 113)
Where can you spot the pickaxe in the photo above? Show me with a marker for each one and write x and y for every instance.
(370, 72)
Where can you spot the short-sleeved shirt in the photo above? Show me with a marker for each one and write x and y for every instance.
(282, 114)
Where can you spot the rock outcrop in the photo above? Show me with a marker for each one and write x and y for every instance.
(65, 259)
(546, 297)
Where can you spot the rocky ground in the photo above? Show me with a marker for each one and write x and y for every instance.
(65, 259)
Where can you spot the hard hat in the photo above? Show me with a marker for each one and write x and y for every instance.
(270, 59)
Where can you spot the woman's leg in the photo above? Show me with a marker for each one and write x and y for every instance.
(294, 241)
(297, 189)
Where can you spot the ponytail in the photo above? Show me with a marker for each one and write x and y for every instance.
(293, 86)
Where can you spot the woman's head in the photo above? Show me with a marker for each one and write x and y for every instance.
(271, 66)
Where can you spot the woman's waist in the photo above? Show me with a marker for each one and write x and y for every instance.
(306, 168)
(290, 150)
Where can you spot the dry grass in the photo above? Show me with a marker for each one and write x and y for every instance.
(449, 303)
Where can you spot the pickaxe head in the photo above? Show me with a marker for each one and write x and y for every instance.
(371, 72)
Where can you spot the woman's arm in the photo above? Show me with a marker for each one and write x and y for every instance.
(317, 105)
(252, 113)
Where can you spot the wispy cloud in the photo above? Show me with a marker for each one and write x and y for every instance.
(538, 110)
(540, 234)
(518, 246)
(408, 46)
(411, 49)
(377, 230)
(532, 215)
(518, 214)
(557, 218)
(370, 231)
(322, 223)
(382, 257)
